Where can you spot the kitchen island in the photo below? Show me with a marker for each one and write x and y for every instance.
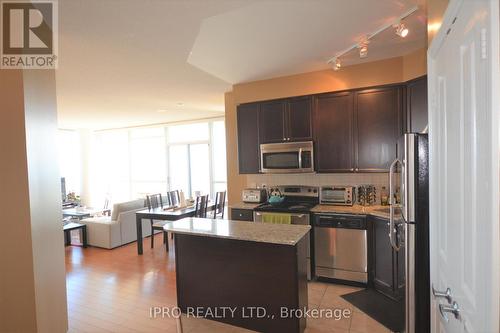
(247, 274)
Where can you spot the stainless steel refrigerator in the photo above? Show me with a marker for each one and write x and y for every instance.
(409, 225)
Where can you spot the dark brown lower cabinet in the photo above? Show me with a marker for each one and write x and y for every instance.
(387, 265)
(239, 214)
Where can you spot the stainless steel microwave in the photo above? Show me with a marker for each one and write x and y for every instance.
(289, 157)
(337, 195)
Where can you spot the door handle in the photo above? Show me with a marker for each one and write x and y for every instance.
(392, 228)
(439, 294)
(445, 309)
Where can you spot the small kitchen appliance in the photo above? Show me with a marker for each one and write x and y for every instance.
(289, 157)
(337, 195)
(254, 195)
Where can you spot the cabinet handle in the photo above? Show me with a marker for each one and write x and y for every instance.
(357, 169)
(352, 169)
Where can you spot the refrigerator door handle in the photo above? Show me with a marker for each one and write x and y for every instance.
(392, 226)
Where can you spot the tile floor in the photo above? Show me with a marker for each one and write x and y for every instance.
(114, 290)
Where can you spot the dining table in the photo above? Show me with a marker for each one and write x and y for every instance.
(163, 214)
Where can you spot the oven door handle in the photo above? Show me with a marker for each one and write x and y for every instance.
(292, 215)
(300, 159)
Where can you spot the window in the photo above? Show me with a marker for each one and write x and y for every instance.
(110, 167)
(135, 162)
(219, 177)
(148, 162)
(70, 160)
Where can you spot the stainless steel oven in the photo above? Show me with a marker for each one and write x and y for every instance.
(290, 157)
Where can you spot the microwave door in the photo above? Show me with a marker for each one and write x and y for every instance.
(280, 161)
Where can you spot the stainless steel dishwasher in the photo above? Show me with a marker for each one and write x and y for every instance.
(340, 244)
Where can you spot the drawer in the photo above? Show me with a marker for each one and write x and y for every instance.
(241, 214)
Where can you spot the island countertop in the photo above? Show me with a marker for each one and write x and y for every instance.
(282, 234)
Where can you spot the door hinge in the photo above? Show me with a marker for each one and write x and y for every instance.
(484, 54)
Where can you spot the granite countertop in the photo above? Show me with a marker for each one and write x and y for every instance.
(377, 210)
(244, 205)
(283, 234)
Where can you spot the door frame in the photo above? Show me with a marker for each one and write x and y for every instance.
(493, 100)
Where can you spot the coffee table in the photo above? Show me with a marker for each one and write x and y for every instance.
(75, 226)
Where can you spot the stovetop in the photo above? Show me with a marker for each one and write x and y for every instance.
(300, 207)
(300, 199)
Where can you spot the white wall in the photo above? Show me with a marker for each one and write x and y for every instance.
(32, 275)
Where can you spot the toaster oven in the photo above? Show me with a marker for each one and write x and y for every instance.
(337, 195)
(254, 195)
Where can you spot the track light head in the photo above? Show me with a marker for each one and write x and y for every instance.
(337, 65)
(401, 30)
(363, 49)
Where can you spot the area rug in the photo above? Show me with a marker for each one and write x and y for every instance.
(386, 311)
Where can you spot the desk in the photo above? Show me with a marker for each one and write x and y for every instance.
(162, 215)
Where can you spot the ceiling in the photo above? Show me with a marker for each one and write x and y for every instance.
(128, 62)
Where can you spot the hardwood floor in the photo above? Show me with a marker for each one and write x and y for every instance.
(114, 290)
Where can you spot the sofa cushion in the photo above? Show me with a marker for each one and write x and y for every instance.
(125, 207)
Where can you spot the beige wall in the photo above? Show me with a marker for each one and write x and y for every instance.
(32, 283)
(435, 13)
(388, 71)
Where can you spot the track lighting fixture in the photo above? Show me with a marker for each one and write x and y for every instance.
(401, 30)
(362, 46)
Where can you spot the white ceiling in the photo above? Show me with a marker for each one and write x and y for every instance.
(122, 61)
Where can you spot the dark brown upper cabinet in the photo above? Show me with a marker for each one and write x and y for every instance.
(333, 132)
(299, 119)
(272, 121)
(416, 105)
(378, 126)
(248, 138)
(286, 120)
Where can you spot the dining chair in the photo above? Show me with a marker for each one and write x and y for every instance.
(220, 202)
(174, 198)
(201, 206)
(155, 201)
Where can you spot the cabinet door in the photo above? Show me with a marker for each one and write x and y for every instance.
(378, 125)
(248, 138)
(272, 121)
(416, 105)
(383, 268)
(333, 132)
(299, 119)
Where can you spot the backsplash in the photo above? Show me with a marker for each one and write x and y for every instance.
(379, 180)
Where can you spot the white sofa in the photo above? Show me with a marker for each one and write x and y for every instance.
(118, 229)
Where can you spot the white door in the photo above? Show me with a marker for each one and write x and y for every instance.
(464, 168)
